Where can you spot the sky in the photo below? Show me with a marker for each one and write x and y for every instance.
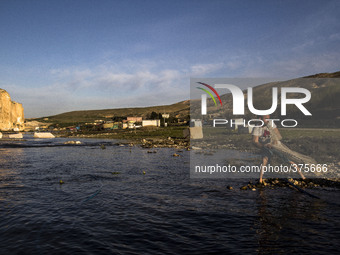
(61, 55)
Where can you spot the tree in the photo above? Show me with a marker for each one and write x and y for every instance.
(154, 115)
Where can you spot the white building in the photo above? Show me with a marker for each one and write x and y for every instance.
(151, 123)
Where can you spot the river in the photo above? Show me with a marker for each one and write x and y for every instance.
(125, 200)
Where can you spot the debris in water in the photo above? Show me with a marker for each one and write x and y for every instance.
(72, 142)
(196, 148)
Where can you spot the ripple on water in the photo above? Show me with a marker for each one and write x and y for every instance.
(107, 205)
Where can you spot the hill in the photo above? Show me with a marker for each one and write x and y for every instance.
(179, 110)
(324, 105)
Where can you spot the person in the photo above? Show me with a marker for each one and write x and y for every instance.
(265, 138)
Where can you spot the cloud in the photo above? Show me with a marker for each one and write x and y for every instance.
(108, 86)
(233, 65)
(303, 46)
(144, 82)
(107, 79)
(140, 78)
(200, 70)
(335, 37)
(293, 67)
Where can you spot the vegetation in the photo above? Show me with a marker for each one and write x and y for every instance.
(180, 109)
(133, 134)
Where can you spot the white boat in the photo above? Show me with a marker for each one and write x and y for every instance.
(15, 136)
(43, 135)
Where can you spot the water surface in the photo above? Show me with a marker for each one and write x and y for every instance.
(107, 205)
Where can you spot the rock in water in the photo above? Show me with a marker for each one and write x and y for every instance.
(43, 135)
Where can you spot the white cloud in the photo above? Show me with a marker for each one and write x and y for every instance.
(108, 86)
(200, 70)
(233, 65)
(294, 67)
(304, 46)
(145, 83)
(335, 36)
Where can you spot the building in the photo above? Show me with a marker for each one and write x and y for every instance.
(131, 124)
(108, 125)
(134, 119)
(151, 123)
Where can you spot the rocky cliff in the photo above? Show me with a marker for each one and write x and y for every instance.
(11, 113)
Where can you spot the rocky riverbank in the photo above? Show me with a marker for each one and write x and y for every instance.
(322, 145)
(273, 183)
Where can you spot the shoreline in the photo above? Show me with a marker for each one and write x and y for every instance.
(322, 145)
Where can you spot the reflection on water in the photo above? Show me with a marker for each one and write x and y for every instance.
(290, 222)
(107, 205)
(9, 177)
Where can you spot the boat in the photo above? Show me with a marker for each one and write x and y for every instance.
(43, 135)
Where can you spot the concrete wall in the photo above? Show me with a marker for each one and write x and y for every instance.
(193, 133)
(151, 123)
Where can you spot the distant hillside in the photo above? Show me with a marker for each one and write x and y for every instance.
(181, 110)
(325, 75)
(324, 105)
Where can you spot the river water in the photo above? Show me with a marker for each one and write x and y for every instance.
(124, 200)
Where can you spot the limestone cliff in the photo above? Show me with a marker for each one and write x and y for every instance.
(11, 113)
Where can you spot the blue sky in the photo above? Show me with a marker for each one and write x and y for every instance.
(58, 56)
